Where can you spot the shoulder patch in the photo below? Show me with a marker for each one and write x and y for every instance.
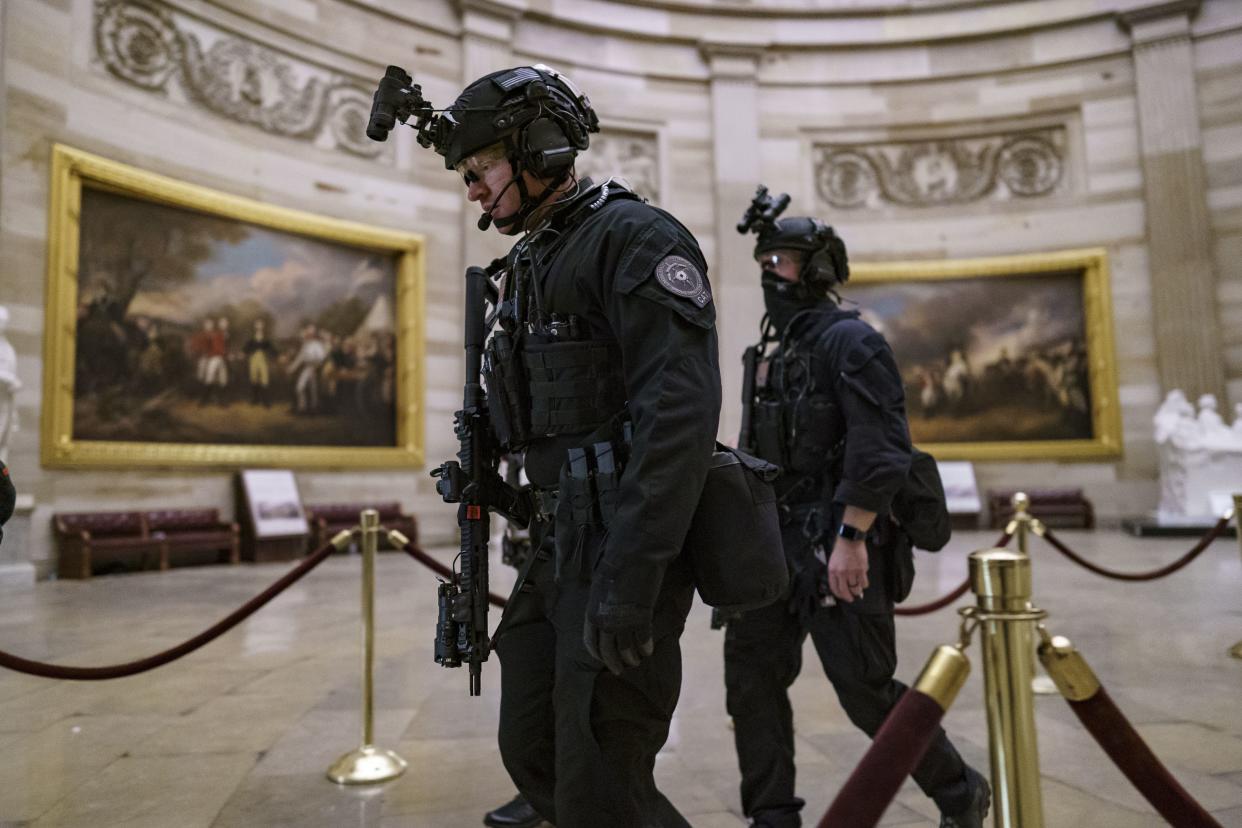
(679, 276)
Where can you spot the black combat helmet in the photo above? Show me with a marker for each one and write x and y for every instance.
(826, 264)
(536, 112)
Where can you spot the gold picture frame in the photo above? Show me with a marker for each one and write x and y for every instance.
(401, 258)
(995, 286)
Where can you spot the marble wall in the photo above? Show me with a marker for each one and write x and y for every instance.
(148, 84)
(699, 100)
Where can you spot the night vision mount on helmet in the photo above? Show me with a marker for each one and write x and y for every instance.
(535, 112)
(536, 102)
(826, 264)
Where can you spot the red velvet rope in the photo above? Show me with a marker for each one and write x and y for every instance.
(958, 592)
(897, 749)
(1194, 552)
(447, 573)
(1100, 716)
(55, 671)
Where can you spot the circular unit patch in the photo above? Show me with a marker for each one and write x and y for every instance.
(678, 275)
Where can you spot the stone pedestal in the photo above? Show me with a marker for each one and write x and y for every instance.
(16, 570)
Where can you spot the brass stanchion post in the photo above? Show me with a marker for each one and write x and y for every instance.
(1001, 581)
(368, 764)
(1020, 527)
(1236, 649)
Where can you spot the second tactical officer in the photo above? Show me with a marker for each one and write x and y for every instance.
(603, 372)
(827, 405)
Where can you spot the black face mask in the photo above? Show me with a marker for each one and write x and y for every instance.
(784, 300)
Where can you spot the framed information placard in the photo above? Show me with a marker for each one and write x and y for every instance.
(270, 508)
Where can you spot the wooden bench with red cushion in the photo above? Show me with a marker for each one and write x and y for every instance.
(1056, 508)
(88, 541)
(191, 531)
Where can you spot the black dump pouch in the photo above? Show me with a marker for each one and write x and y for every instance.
(507, 395)
(574, 387)
(734, 540)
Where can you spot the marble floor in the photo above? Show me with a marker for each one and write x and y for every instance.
(241, 732)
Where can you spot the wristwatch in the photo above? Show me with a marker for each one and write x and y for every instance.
(851, 533)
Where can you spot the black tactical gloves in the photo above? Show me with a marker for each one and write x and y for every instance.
(617, 630)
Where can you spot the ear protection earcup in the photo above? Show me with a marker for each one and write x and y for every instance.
(548, 151)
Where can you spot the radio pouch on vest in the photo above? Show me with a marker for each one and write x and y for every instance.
(734, 540)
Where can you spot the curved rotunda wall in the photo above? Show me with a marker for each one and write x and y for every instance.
(699, 100)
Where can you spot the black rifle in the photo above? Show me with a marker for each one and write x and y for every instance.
(750, 364)
(473, 483)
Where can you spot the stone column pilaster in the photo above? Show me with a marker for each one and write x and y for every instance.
(736, 172)
(1179, 231)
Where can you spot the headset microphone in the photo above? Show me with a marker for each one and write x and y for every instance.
(486, 220)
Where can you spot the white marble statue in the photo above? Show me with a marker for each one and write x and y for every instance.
(9, 386)
(1200, 458)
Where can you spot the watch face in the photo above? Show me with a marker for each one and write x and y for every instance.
(851, 532)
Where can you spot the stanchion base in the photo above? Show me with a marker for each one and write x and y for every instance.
(366, 766)
(1236, 650)
(1044, 686)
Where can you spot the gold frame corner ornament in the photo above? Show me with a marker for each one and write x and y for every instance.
(1092, 263)
(70, 170)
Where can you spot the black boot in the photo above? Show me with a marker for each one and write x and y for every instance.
(977, 810)
(516, 813)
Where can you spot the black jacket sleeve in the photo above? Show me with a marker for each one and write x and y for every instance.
(863, 374)
(672, 381)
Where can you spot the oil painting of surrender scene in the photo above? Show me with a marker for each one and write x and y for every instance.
(1001, 358)
(212, 329)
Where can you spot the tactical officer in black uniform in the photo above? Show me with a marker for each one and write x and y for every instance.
(603, 372)
(827, 405)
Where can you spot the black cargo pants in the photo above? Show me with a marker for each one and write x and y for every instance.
(763, 656)
(580, 743)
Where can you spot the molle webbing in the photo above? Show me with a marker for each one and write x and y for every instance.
(574, 386)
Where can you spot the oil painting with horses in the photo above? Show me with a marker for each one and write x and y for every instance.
(986, 359)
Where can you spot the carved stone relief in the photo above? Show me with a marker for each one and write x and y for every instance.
(632, 155)
(1001, 167)
(146, 44)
